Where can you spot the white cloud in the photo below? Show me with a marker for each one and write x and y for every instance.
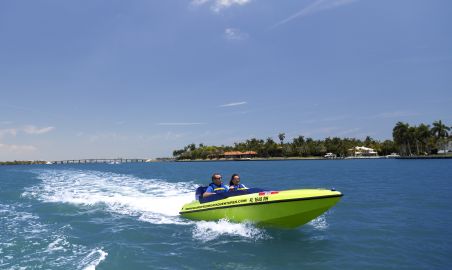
(234, 104)
(222, 4)
(234, 34)
(179, 124)
(35, 130)
(18, 149)
(30, 129)
(199, 2)
(316, 6)
(218, 5)
(8, 131)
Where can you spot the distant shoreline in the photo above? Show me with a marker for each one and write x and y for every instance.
(315, 158)
(449, 156)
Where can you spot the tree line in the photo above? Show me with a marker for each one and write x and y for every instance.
(422, 139)
(407, 140)
(22, 162)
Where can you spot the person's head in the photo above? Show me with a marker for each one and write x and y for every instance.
(235, 180)
(216, 179)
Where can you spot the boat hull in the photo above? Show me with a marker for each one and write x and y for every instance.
(286, 209)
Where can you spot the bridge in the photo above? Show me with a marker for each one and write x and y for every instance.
(101, 160)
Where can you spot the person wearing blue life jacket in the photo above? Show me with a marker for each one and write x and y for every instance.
(215, 187)
(234, 184)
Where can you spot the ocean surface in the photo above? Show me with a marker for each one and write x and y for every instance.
(395, 214)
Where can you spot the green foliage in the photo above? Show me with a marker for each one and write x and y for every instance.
(22, 162)
(420, 140)
(407, 140)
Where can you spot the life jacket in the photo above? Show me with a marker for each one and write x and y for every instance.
(238, 187)
(218, 189)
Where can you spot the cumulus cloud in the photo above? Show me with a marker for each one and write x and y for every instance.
(234, 104)
(234, 34)
(218, 5)
(316, 6)
(35, 130)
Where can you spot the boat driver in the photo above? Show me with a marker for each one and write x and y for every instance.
(216, 186)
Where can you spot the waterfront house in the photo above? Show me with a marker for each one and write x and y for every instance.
(445, 148)
(238, 154)
(362, 151)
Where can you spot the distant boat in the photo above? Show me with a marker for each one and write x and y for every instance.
(330, 156)
(393, 155)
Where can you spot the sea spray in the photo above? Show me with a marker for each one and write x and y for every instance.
(211, 230)
(151, 200)
(25, 240)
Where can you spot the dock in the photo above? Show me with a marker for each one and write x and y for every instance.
(426, 157)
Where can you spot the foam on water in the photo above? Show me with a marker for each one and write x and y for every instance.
(93, 259)
(39, 245)
(319, 223)
(211, 230)
(151, 200)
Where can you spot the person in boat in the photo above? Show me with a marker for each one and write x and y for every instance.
(216, 186)
(234, 184)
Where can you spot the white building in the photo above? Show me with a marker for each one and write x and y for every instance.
(361, 151)
(444, 149)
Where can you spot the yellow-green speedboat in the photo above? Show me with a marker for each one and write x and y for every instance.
(287, 208)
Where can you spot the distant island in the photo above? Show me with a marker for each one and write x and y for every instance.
(421, 140)
(23, 162)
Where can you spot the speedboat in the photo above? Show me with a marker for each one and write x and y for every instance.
(285, 208)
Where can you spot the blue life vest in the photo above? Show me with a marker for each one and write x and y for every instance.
(218, 189)
(238, 187)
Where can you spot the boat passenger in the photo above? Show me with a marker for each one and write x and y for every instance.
(216, 186)
(234, 184)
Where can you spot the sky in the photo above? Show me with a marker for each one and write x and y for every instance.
(139, 79)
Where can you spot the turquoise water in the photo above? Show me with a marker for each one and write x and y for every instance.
(396, 214)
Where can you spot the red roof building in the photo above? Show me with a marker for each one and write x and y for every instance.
(238, 154)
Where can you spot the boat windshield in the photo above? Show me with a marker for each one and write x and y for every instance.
(228, 194)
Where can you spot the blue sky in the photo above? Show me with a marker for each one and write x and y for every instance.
(98, 78)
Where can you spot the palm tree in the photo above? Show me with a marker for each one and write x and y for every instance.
(440, 131)
(400, 134)
(423, 135)
(281, 137)
(412, 138)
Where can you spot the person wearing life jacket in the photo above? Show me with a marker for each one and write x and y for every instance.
(234, 184)
(215, 187)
